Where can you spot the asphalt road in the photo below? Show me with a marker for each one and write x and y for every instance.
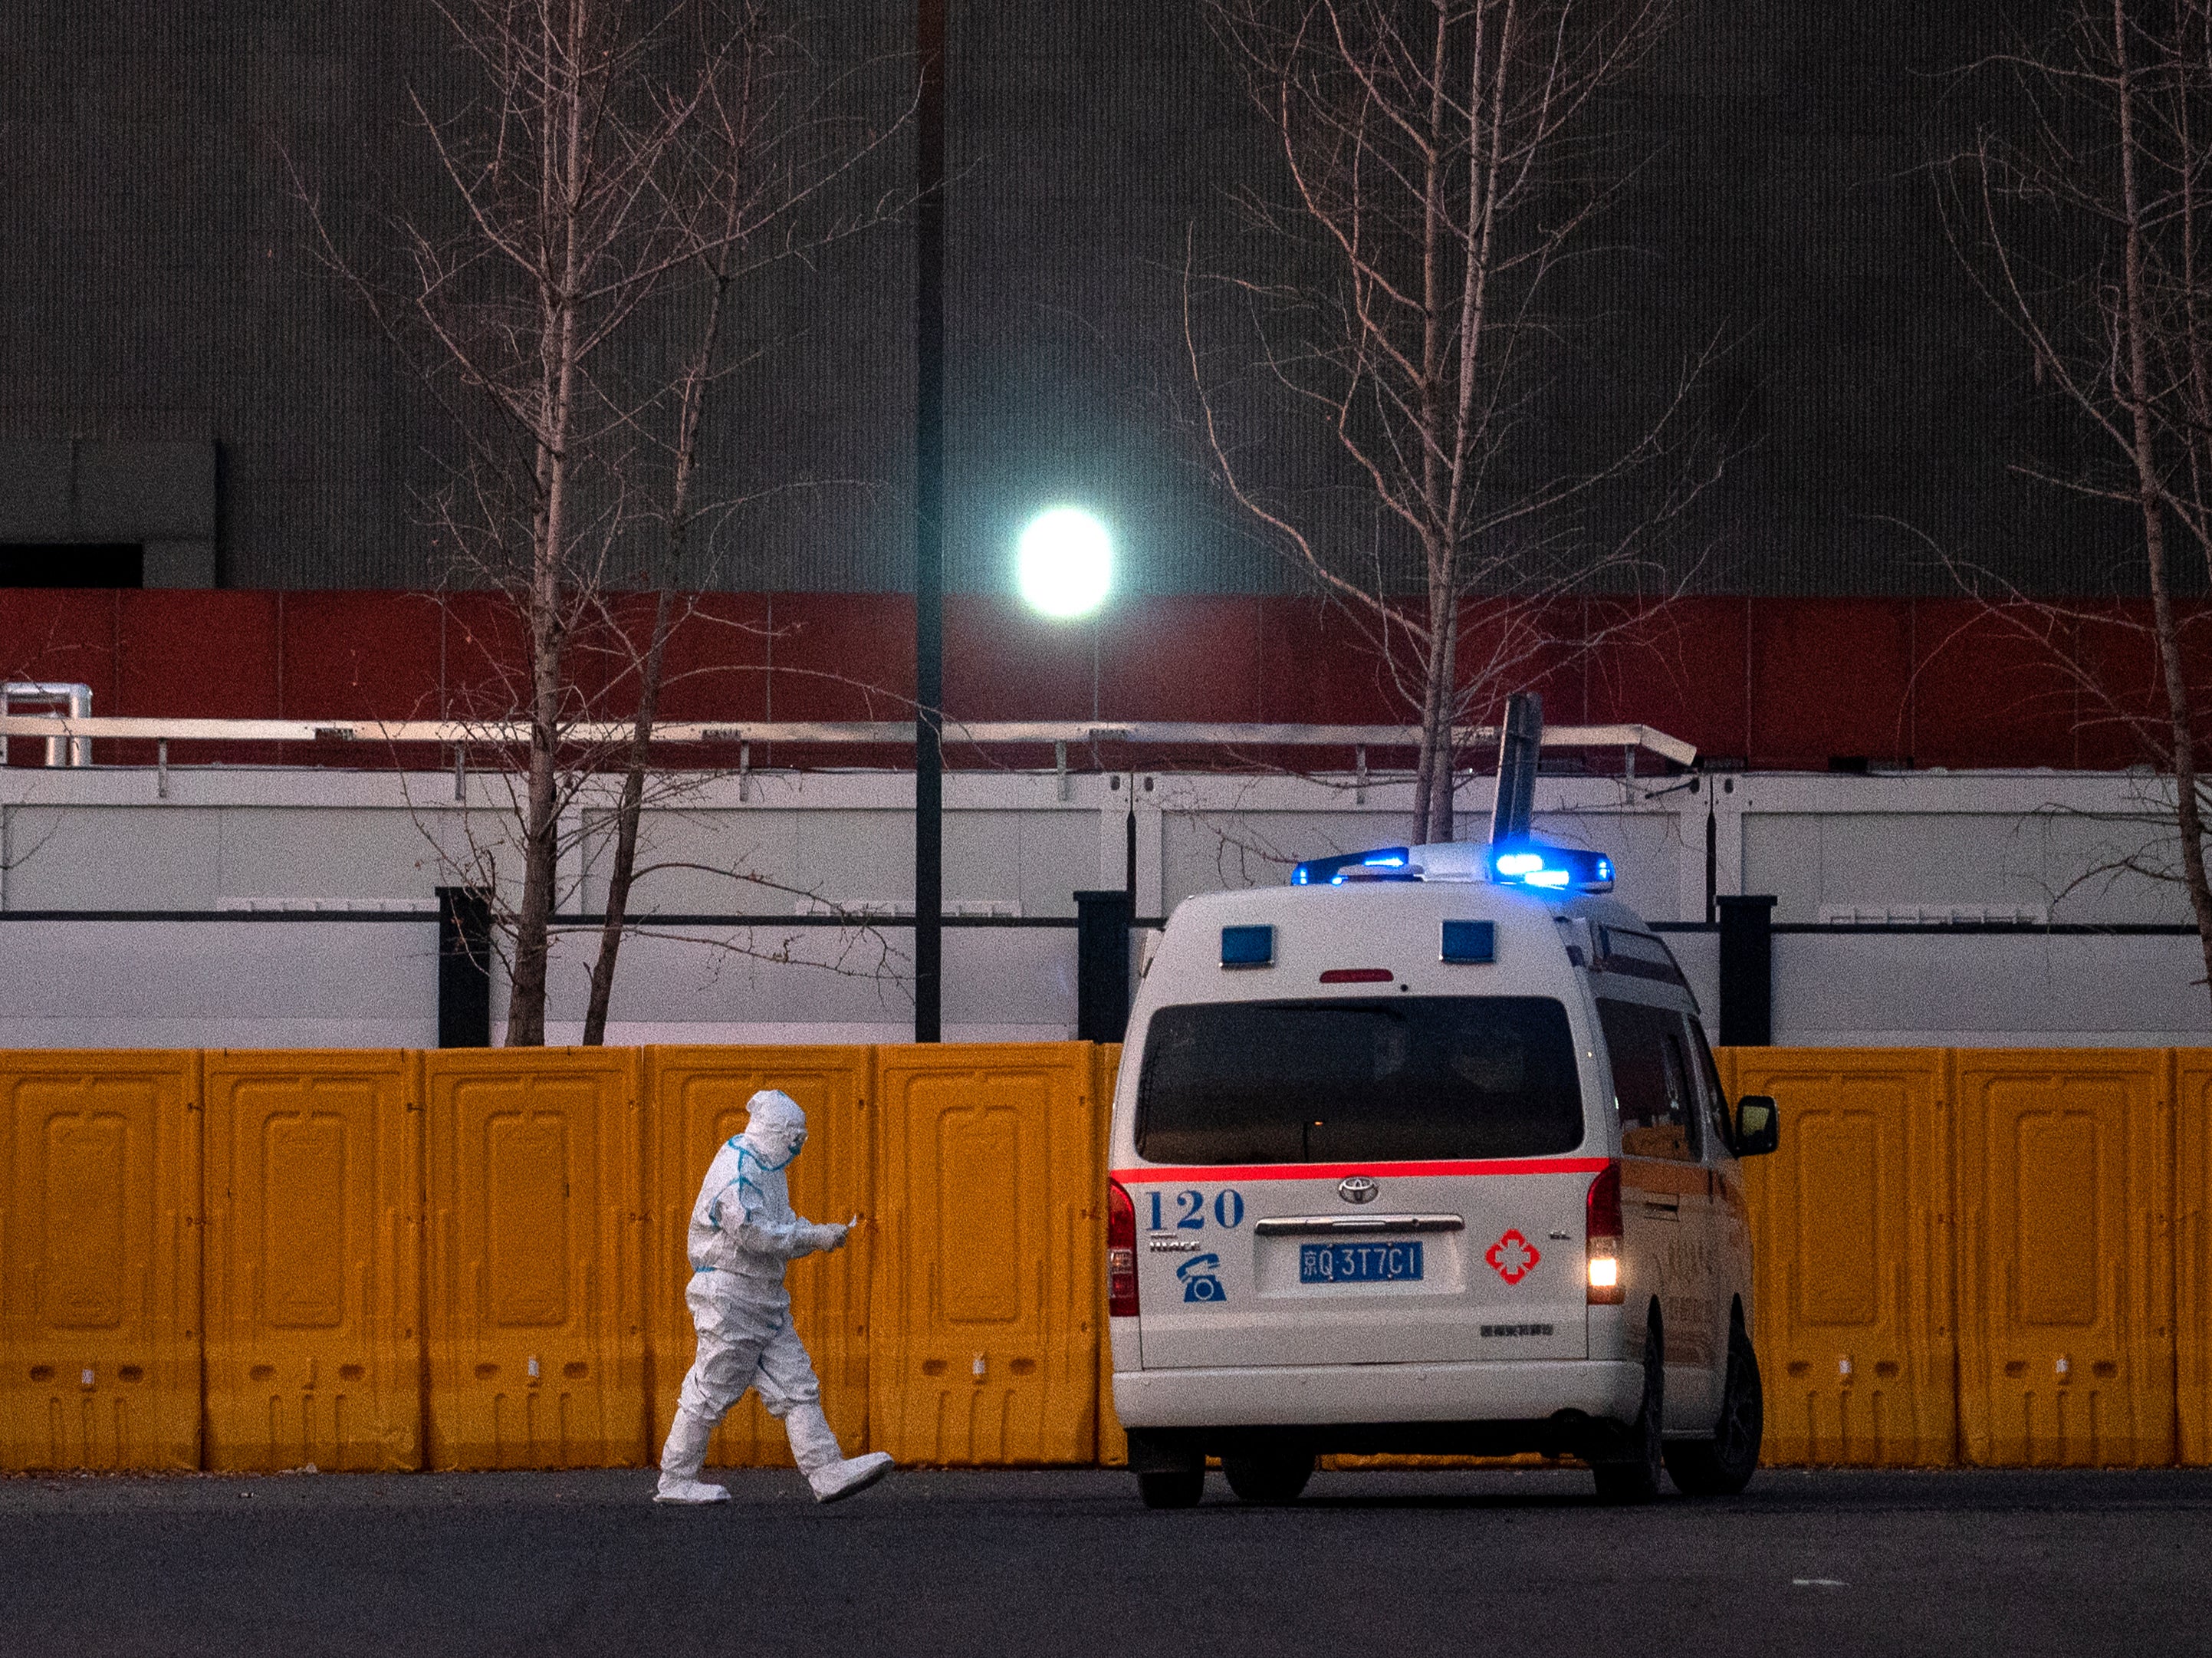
(1394, 1564)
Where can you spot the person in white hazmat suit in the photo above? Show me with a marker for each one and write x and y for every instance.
(743, 1233)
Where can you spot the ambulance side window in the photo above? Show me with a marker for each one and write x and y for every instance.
(1650, 1080)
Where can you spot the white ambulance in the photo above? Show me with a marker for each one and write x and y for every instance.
(1426, 1152)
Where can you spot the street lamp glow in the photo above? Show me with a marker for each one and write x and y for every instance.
(1064, 563)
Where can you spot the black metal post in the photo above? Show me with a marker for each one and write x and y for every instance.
(1712, 858)
(464, 967)
(929, 530)
(1747, 971)
(1102, 965)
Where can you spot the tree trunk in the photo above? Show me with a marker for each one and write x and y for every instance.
(541, 836)
(627, 815)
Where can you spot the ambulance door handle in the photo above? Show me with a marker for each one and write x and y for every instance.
(1669, 1207)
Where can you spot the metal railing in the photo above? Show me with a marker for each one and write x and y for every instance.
(79, 730)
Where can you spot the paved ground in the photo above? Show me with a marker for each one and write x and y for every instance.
(1392, 1564)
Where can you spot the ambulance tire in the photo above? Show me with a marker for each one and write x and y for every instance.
(1634, 1466)
(1270, 1479)
(1179, 1488)
(1723, 1464)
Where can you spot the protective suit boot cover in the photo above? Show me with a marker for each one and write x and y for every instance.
(690, 1491)
(814, 1447)
(679, 1462)
(842, 1478)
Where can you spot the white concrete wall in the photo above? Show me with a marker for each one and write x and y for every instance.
(80, 843)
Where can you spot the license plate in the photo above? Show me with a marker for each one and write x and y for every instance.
(1359, 1263)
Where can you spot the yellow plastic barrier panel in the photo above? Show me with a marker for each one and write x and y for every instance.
(2192, 1239)
(1113, 1441)
(314, 1263)
(696, 1101)
(986, 1300)
(534, 1172)
(99, 1265)
(1853, 1310)
(2065, 1258)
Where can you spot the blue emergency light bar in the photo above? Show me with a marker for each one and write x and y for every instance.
(1330, 872)
(1549, 868)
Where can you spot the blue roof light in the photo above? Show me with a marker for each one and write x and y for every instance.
(1549, 868)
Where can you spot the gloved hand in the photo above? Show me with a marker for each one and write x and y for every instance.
(828, 1237)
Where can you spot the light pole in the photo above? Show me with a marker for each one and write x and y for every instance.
(1063, 568)
(929, 529)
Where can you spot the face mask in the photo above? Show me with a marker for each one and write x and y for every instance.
(779, 1147)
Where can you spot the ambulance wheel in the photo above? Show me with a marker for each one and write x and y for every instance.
(1723, 1464)
(1179, 1490)
(1633, 1467)
(1270, 1478)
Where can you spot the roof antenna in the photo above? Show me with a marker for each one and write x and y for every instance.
(1521, 735)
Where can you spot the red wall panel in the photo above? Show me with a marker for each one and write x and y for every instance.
(1004, 661)
(1317, 668)
(1786, 682)
(1988, 689)
(842, 656)
(359, 656)
(196, 655)
(716, 665)
(1506, 646)
(1677, 667)
(483, 671)
(1187, 658)
(1829, 677)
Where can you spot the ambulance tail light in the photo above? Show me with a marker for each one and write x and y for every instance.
(1604, 1232)
(1121, 1252)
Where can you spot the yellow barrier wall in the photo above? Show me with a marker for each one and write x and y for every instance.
(393, 1238)
(1853, 1299)
(99, 1260)
(533, 1174)
(985, 1297)
(314, 1262)
(2192, 1241)
(696, 1101)
(2065, 1262)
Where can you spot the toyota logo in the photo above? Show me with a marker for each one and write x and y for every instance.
(1355, 1189)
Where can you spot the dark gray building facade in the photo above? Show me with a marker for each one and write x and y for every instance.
(180, 374)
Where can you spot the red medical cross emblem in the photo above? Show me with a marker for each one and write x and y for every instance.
(1512, 1256)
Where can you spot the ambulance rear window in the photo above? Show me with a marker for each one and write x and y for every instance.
(1412, 1079)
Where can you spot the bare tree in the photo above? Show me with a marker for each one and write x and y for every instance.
(1445, 159)
(617, 171)
(2086, 221)
(764, 151)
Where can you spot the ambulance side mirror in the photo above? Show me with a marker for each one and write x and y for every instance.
(1757, 1125)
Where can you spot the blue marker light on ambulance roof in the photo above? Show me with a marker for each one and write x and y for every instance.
(1546, 878)
(1520, 863)
(1329, 871)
